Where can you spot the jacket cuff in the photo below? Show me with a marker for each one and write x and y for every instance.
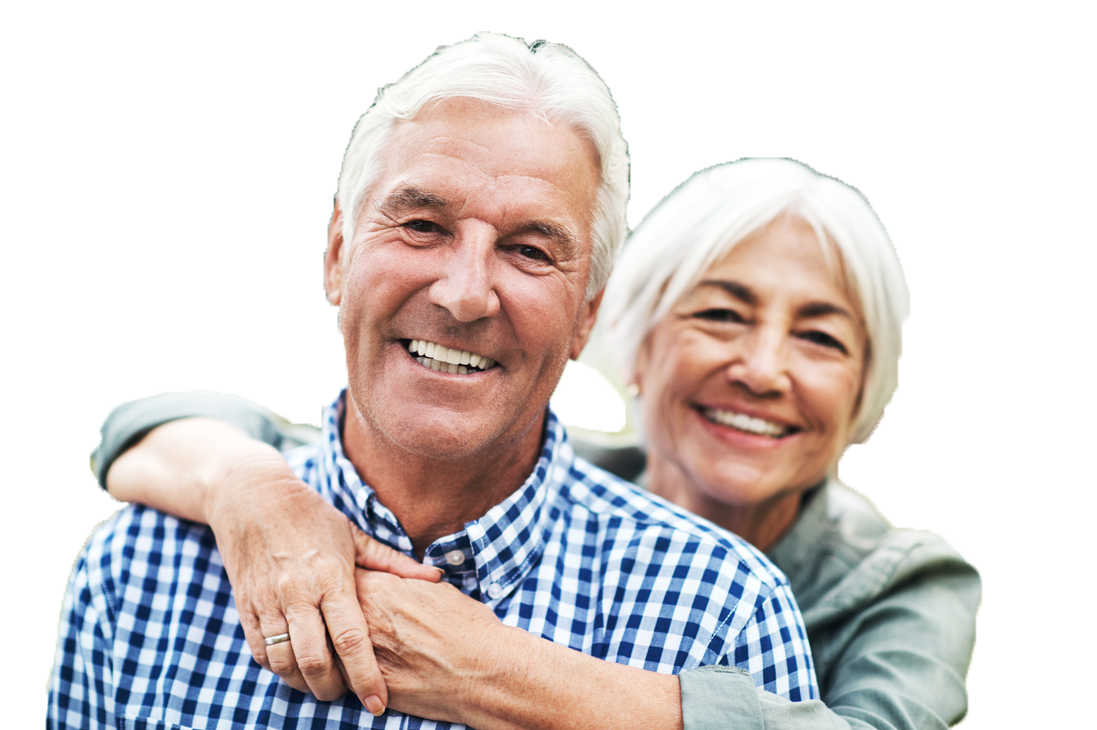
(719, 698)
(130, 422)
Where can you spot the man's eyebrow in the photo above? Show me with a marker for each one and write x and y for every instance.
(561, 235)
(410, 198)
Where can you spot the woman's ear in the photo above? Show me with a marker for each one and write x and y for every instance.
(635, 386)
(333, 258)
(584, 324)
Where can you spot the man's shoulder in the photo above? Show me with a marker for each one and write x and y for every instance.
(610, 498)
(138, 545)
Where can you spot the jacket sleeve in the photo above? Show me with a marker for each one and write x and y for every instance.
(896, 662)
(128, 423)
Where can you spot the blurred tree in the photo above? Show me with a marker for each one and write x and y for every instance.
(201, 167)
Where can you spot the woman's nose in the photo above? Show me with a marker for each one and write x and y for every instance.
(464, 285)
(761, 362)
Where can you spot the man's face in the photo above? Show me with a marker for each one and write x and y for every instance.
(475, 238)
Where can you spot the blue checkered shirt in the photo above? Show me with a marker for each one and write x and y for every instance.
(150, 636)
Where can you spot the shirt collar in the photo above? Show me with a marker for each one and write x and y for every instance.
(490, 557)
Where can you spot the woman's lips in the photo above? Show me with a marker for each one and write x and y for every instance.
(747, 424)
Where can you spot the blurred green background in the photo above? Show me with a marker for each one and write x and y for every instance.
(190, 178)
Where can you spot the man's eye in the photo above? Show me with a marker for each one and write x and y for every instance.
(719, 315)
(421, 226)
(822, 338)
(532, 252)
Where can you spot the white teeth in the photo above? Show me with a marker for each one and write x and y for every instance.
(447, 360)
(743, 422)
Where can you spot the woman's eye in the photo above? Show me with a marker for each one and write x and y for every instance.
(822, 338)
(719, 315)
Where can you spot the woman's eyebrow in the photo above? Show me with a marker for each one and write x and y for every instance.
(822, 309)
(734, 288)
(744, 294)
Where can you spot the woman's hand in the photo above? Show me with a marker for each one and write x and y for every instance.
(290, 557)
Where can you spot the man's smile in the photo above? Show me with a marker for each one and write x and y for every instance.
(445, 359)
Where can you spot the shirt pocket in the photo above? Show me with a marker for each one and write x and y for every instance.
(128, 724)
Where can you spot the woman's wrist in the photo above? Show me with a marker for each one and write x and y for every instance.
(519, 680)
(244, 473)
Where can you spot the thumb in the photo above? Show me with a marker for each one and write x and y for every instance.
(372, 555)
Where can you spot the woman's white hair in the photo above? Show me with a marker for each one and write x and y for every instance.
(546, 79)
(706, 216)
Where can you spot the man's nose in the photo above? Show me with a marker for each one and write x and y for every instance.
(465, 284)
(761, 362)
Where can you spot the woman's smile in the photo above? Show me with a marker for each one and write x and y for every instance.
(751, 383)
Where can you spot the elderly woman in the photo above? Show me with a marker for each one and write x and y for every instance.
(756, 314)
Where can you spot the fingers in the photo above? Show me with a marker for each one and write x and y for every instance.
(350, 638)
(253, 634)
(372, 555)
(279, 658)
(307, 654)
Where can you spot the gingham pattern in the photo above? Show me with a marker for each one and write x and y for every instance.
(150, 636)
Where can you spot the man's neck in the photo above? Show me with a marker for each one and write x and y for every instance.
(432, 497)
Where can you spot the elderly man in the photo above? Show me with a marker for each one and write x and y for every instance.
(478, 208)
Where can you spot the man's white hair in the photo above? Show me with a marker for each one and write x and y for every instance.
(698, 223)
(546, 79)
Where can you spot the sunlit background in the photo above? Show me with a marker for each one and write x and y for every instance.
(167, 173)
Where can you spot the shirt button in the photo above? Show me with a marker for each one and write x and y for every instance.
(495, 590)
(455, 557)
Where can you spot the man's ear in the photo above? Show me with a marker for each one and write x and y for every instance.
(333, 259)
(584, 324)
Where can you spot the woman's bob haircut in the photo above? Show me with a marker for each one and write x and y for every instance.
(547, 80)
(706, 216)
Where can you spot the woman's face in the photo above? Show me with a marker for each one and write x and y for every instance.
(750, 384)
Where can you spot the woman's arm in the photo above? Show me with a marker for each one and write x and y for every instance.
(130, 422)
(296, 578)
(446, 656)
(894, 658)
(898, 662)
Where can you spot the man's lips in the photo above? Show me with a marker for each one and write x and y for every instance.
(747, 424)
(444, 359)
